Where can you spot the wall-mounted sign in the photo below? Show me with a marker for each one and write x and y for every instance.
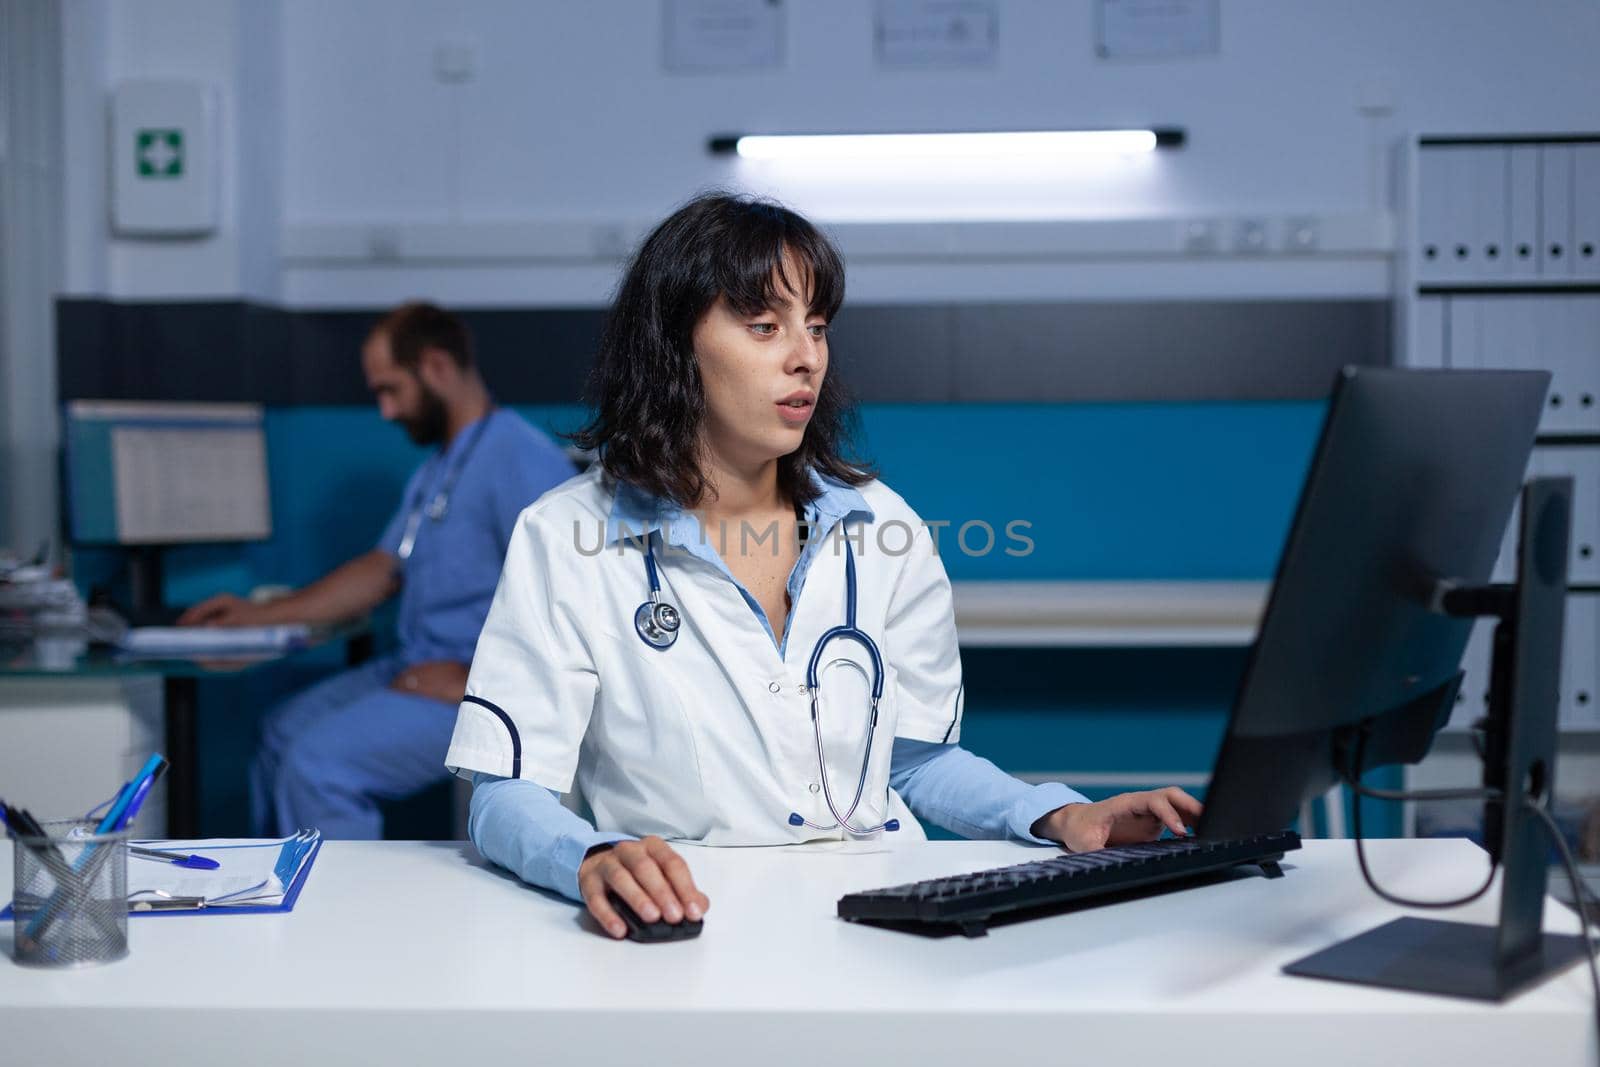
(1156, 29)
(937, 33)
(708, 36)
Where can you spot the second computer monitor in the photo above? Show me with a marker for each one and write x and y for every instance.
(142, 473)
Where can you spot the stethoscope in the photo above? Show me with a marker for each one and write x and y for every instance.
(658, 622)
(438, 506)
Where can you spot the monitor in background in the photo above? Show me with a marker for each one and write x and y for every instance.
(151, 474)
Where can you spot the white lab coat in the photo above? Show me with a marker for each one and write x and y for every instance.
(709, 740)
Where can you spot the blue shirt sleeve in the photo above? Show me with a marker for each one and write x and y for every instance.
(523, 827)
(966, 794)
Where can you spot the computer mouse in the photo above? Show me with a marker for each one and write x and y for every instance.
(661, 930)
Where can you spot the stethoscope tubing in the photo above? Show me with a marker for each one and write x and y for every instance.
(657, 639)
(437, 506)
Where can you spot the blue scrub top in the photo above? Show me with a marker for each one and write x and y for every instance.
(503, 465)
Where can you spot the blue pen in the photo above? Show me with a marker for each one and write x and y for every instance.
(177, 859)
(141, 791)
(113, 818)
(114, 821)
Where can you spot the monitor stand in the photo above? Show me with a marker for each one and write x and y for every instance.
(146, 587)
(1469, 959)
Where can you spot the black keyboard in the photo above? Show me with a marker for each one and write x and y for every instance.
(969, 901)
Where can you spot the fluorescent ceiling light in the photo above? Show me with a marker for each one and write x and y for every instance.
(1034, 144)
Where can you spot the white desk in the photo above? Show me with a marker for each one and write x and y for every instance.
(415, 953)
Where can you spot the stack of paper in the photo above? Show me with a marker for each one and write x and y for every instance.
(252, 874)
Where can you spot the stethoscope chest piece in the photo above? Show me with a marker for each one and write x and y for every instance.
(657, 623)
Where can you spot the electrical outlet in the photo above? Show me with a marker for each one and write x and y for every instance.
(1200, 236)
(383, 244)
(1250, 236)
(1301, 234)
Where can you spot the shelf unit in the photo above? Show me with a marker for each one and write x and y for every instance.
(1498, 265)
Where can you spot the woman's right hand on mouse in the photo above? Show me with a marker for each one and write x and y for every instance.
(649, 875)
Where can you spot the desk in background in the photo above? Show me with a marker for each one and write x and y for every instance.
(409, 952)
(1108, 614)
(180, 686)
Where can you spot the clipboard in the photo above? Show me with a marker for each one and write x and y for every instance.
(291, 892)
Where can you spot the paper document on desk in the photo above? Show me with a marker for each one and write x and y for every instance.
(253, 873)
(212, 640)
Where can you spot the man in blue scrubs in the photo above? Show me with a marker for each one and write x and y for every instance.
(380, 731)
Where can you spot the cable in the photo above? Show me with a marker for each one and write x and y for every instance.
(1352, 778)
(1580, 895)
(1580, 892)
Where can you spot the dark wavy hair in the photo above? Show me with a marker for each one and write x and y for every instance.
(645, 390)
(416, 325)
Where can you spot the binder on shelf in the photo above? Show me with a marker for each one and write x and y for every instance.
(1578, 670)
(1586, 212)
(1461, 333)
(1582, 464)
(1555, 211)
(1461, 207)
(1522, 231)
(1432, 208)
(1572, 339)
(1499, 332)
(1578, 703)
(1427, 333)
(1487, 168)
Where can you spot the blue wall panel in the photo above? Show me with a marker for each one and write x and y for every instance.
(1114, 491)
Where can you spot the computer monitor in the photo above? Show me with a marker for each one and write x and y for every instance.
(140, 473)
(148, 475)
(1413, 481)
(1357, 660)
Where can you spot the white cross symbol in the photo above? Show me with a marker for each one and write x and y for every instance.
(159, 155)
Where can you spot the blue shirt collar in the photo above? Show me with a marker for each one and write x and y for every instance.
(636, 512)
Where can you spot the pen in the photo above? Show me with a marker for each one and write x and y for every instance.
(21, 821)
(141, 791)
(177, 859)
(113, 818)
(93, 856)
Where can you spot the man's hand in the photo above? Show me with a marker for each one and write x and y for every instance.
(1125, 819)
(224, 609)
(652, 878)
(441, 680)
(348, 591)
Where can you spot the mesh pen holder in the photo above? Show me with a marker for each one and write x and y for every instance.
(70, 896)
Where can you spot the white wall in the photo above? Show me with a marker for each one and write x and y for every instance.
(572, 120)
(573, 117)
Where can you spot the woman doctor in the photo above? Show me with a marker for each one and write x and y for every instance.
(728, 632)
